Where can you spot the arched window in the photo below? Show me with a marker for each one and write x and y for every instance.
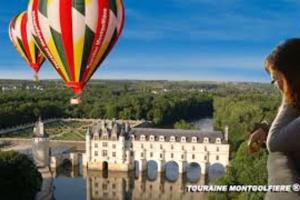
(194, 139)
(218, 140)
(161, 138)
(152, 138)
(183, 139)
(143, 137)
(172, 139)
(206, 140)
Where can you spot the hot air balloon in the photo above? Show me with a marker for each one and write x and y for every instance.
(76, 35)
(21, 36)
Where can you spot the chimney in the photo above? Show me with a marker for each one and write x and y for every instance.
(226, 130)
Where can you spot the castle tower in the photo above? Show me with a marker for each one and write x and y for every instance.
(40, 145)
(87, 156)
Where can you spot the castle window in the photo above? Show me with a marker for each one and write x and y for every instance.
(172, 155)
(96, 153)
(161, 147)
(131, 153)
(104, 153)
(217, 157)
(218, 149)
(160, 155)
(205, 157)
(152, 138)
(218, 140)
(205, 148)
(114, 146)
(172, 147)
(161, 138)
(193, 156)
(151, 154)
(113, 186)
(113, 154)
(194, 139)
(206, 140)
(172, 139)
(96, 145)
(142, 154)
(143, 137)
(193, 148)
(142, 145)
(183, 139)
(104, 187)
(182, 156)
(104, 144)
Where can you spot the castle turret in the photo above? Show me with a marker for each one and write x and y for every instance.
(40, 145)
(88, 144)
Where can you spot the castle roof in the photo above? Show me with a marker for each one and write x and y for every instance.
(178, 133)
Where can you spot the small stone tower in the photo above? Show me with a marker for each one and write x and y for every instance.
(40, 145)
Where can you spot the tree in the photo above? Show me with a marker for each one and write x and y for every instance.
(182, 124)
(19, 177)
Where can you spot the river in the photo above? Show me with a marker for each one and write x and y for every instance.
(78, 184)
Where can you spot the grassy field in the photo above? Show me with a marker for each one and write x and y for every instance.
(60, 130)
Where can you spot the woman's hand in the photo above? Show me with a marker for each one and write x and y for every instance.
(256, 139)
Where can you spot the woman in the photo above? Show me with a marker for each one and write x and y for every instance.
(283, 137)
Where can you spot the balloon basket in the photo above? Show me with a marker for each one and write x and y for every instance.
(35, 78)
(75, 100)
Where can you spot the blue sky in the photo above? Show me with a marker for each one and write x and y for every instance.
(220, 40)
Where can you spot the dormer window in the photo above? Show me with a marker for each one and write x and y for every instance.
(152, 138)
(206, 140)
(183, 139)
(161, 138)
(172, 139)
(194, 139)
(143, 137)
(218, 140)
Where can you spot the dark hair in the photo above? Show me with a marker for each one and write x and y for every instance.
(285, 59)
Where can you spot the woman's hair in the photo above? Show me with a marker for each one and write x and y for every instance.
(285, 61)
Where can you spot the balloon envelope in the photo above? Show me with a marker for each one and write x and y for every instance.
(76, 35)
(21, 36)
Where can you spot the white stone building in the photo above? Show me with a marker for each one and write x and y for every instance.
(119, 146)
(40, 145)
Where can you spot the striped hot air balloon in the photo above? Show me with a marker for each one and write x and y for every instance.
(21, 36)
(76, 35)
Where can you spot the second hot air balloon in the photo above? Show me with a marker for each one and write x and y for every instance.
(76, 35)
(21, 36)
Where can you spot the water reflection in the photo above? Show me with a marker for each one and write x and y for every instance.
(77, 184)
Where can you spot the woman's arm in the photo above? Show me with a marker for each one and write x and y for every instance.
(284, 134)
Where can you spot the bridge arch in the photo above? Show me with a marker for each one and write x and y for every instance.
(152, 170)
(171, 169)
(193, 171)
(104, 166)
(215, 170)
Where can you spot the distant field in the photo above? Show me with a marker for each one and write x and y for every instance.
(60, 130)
